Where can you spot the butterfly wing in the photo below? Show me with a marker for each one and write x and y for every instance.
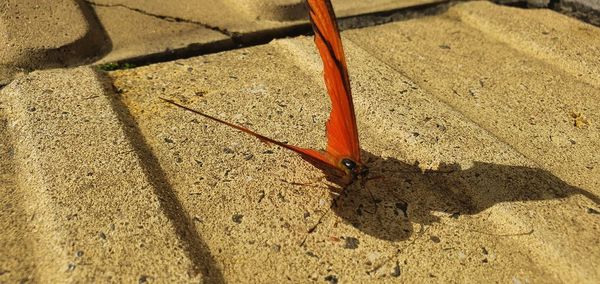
(342, 133)
(314, 157)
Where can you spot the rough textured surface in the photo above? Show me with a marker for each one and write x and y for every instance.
(480, 126)
(134, 34)
(250, 15)
(586, 10)
(546, 79)
(94, 213)
(563, 42)
(485, 145)
(185, 26)
(539, 95)
(41, 34)
(37, 35)
(16, 264)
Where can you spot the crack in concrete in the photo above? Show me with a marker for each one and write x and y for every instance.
(238, 40)
(232, 35)
(572, 8)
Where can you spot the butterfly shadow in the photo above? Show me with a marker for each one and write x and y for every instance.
(401, 195)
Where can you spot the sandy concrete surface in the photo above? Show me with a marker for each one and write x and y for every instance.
(38, 35)
(95, 211)
(191, 26)
(16, 244)
(41, 34)
(486, 172)
(134, 34)
(479, 124)
(249, 15)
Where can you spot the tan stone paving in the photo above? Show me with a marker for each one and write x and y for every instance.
(42, 34)
(515, 210)
(74, 32)
(482, 122)
(16, 260)
(96, 212)
(183, 26)
(131, 36)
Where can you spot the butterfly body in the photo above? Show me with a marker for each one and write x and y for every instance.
(340, 170)
(341, 160)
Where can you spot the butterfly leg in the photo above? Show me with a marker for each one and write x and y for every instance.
(334, 202)
(374, 178)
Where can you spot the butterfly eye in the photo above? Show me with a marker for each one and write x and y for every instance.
(349, 164)
(355, 169)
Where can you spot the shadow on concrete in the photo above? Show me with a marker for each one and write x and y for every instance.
(93, 45)
(387, 207)
(96, 43)
(291, 12)
(581, 10)
(194, 246)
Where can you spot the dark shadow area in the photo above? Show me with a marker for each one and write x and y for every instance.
(94, 44)
(97, 42)
(195, 247)
(514, 3)
(576, 9)
(395, 15)
(579, 10)
(386, 207)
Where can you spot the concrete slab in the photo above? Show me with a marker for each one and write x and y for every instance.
(250, 15)
(149, 29)
(42, 34)
(570, 45)
(537, 94)
(471, 132)
(120, 30)
(16, 263)
(92, 211)
(568, 95)
(136, 35)
(484, 130)
(585, 10)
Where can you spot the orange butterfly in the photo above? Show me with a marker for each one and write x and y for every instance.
(341, 161)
